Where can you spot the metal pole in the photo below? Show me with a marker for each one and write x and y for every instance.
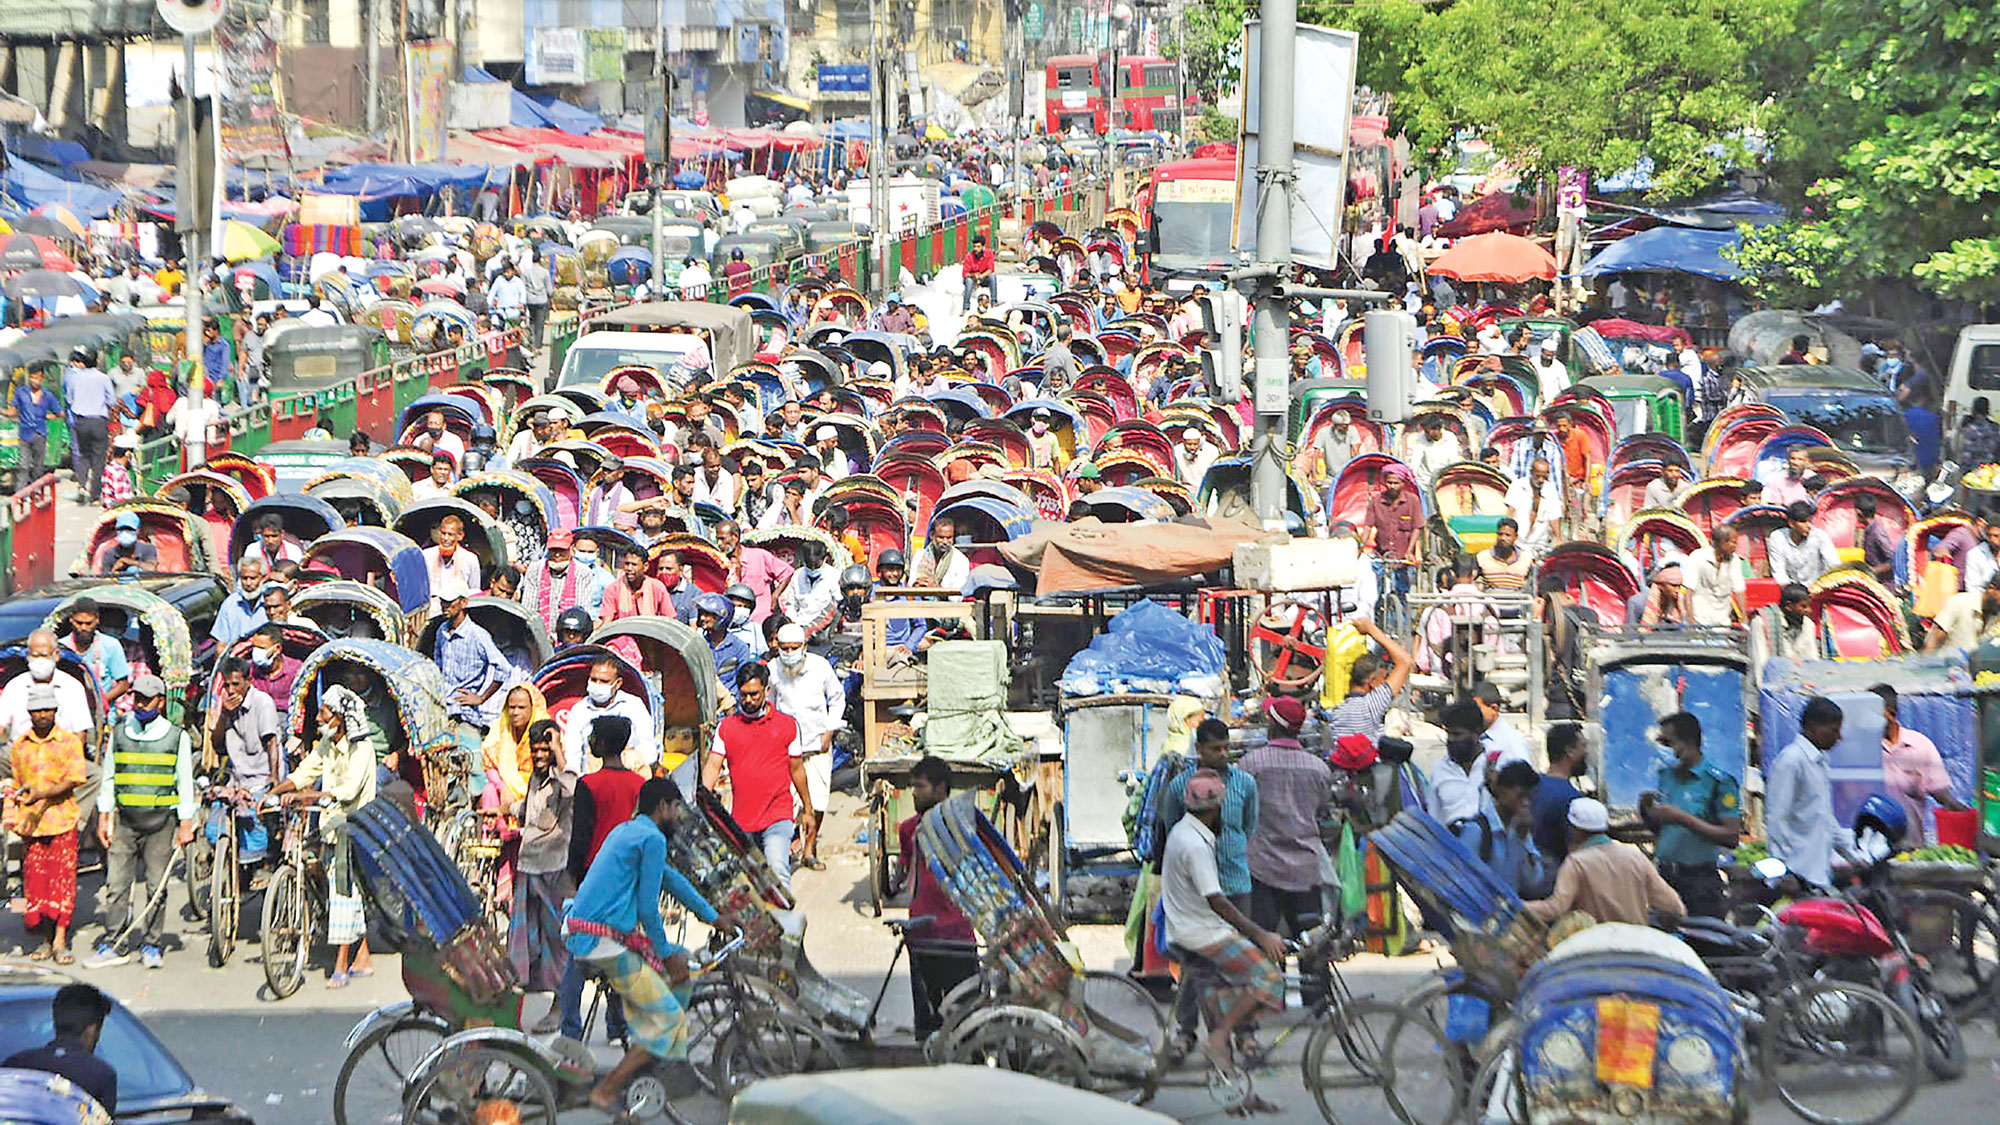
(372, 43)
(879, 211)
(1274, 249)
(191, 252)
(659, 171)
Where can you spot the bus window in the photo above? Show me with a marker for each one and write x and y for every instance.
(1074, 78)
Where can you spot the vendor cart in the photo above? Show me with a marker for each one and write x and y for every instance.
(1082, 855)
(1638, 677)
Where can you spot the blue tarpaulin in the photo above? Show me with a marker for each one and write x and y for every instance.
(1147, 647)
(34, 186)
(544, 112)
(1669, 250)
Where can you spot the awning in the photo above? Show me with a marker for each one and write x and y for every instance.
(792, 101)
(1670, 250)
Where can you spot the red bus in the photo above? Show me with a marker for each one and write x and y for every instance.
(1149, 95)
(1189, 212)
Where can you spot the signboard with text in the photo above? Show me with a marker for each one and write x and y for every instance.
(846, 79)
(557, 57)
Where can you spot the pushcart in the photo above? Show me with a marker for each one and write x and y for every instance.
(885, 778)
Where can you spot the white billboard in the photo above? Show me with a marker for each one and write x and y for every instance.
(1322, 102)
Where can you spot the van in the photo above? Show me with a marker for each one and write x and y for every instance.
(1975, 373)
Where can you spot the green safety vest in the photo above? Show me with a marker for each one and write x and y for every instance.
(144, 770)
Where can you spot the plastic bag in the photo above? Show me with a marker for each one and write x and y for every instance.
(1148, 647)
(1353, 876)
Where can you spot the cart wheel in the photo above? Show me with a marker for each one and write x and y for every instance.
(225, 902)
(200, 862)
(879, 890)
(287, 932)
(1288, 660)
(965, 998)
(375, 1073)
(477, 1074)
(1024, 1046)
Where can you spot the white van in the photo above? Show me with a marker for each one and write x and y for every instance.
(678, 357)
(1975, 372)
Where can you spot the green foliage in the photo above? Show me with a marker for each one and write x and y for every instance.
(1891, 141)
(1212, 36)
(1212, 125)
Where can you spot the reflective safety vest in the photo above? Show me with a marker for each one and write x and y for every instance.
(143, 770)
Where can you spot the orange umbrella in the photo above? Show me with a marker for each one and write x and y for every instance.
(66, 216)
(1495, 257)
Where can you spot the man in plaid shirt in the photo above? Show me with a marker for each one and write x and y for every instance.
(118, 471)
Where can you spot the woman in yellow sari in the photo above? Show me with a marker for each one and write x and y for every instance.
(505, 755)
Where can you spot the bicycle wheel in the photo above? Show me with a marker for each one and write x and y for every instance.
(474, 1075)
(710, 1008)
(1841, 1054)
(1961, 940)
(770, 1043)
(225, 903)
(1120, 1008)
(1376, 1061)
(287, 931)
(372, 1078)
(880, 889)
(199, 867)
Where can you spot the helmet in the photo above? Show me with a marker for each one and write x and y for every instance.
(890, 557)
(716, 604)
(1884, 814)
(482, 434)
(574, 619)
(855, 575)
(738, 593)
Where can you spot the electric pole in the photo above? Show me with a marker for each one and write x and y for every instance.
(1274, 254)
(879, 212)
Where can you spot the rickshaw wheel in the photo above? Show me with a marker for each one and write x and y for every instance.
(287, 932)
(196, 873)
(1024, 1046)
(1380, 1061)
(771, 1043)
(225, 903)
(474, 1074)
(880, 889)
(375, 1073)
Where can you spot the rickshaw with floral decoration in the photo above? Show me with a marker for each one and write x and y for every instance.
(484, 536)
(566, 487)
(1008, 437)
(525, 508)
(362, 499)
(914, 477)
(1859, 618)
(875, 514)
(1755, 524)
(618, 435)
(785, 542)
(1835, 512)
(702, 562)
(257, 479)
(180, 538)
(153, 631)
(1137, 434)
(381, 558)
(305, 519)
(217, 499)
(1658, 534)
(406, 700)
(1467, 501)
(344, 609)
(1713, 501)
(1130, 466)
(966, 458)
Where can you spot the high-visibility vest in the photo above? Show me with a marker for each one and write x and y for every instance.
(143, 770)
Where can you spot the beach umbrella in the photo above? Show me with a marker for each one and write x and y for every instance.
(65, 216)
(44, 227)
(241, 242)
(32, 252)
(1498, 256)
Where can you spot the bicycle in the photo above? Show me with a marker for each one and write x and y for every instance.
(214, 871)
(294, 917)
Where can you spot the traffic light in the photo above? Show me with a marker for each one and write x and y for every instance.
(1389, 342)
(1222, 316)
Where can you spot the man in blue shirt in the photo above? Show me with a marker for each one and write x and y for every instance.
(712, 614)
(31, 406)
(1925, 433)
(89, 393)
(1568, 757)
(473, 666)
(215, 358)
(242, 612)
(1698, 812)
(104, 656)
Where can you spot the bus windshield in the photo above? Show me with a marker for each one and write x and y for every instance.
(1195, 220)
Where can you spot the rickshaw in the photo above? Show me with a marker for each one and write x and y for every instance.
(1650, 447)
(914, 478)
(526, 507)
(180, 537)
(567, 488)
(1755, 524)
(679, 668)
(516, 629)
(839, 307)
(1126, 504)
(1224, 492)
(1599, 580)
(1774, 451)
(362, 499)
(705, 566)
(1732, 446)
(483, 534)
(1008, 438)
(1713, 501)
(1468, 500)
(257, 477)
(305, 519)
(965, 458)
(406, 700)
(1364, 435)
(875, 512)
(1625, 491)
(1835, 513)
(562, 680)
(217, 499)
(1859, 619)
(377, 557)
(1137, 434)
(1130, 466)
(351, 609)
(393, 316)
(308, 359)
(153, 631)
(460, 416)
(1658, 534)
(412, 462)
(1359, 480)
(1644, 403)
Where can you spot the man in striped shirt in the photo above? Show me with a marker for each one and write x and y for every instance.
(1370, 686)
(1504, 565)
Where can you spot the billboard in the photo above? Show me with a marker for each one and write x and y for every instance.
(557, 56)
(427, 79)
(1322, 78)
(253, 130)
(843, 79)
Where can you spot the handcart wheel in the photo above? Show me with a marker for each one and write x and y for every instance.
(375, 1073)
(476, 1074)
(225, 903)
(1288, 659)
(879, 890)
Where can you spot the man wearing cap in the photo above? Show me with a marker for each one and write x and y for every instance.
(1207, 932)
(1697, 811)
(473, 667)
(1610, 881)
(556, 583)
(1335, 446)
(243, 610)
(1550, 374)
(145, 808)
(1089, 478)
(126, 553)
(1193, 456)
(1663, 603)
(48, 772)
(805, 686)
(826, 448)
(1045, 450)
(118, 472)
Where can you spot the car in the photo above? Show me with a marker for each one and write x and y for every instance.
(153, 1088)
(1855, 409)
(197, 596)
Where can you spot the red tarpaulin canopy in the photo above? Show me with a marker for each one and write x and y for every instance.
(1500, 211)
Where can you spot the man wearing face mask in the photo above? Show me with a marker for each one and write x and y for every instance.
(1045, 450)
(72, 701)
(125, 554)
(243, 610)
(604, 695)
(593, 575)
(104, 656)
(805, 686)
(272, 671)
(812, 598)
(145, 809)
(743, 620)
(556, 583)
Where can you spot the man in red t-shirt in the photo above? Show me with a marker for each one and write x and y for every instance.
(942, 952)
(756, 746)
(979, 266)
(736, 275)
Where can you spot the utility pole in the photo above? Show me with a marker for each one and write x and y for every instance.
(659, 170)
(188, 203)
(879, 212)
(1274, 252)
(372, 45)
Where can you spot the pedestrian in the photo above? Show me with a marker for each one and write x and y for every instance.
(1568, 758)
(30, 407)
(944, 951)
(604, 798)
(1798, 796)
(1912, 770)
(542, 884)
(89, 395)
(1285, 854)
(1697, 811)
(755, 748)
(49, 768)
(1458, 778)
(120, 475)
(535, 301)
(805, 687)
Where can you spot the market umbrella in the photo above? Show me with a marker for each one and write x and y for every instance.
(48, 285)
(32, 252)
(241, 242)
(629, 266)
(1498, 257)
(66, 217)
(37, 225)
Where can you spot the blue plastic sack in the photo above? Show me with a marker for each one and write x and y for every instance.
(1148, 647)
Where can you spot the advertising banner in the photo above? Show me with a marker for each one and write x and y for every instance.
(427, 78)
(251, 124)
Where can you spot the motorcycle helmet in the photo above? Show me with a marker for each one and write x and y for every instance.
(715, 604)
(889, 558)
(1882, 813)
(855, 576)
(738, 593)
(575, 619)
(483, 436)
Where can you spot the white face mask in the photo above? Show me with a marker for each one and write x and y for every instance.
(793, 659)
(42, 667)
(587, 560)
(601, 694)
